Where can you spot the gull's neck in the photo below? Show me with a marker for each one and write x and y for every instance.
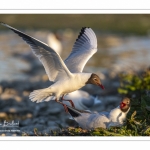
(82, 77)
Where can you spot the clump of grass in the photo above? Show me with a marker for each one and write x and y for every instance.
(136, 84)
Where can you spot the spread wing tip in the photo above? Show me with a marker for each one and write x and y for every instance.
(73, 112)
(82, 32)
(4, 24)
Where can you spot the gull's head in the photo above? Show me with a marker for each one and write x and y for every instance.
(95, 79)
(125, 104)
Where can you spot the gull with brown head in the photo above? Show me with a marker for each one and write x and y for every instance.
(67, 75)
(90, 120)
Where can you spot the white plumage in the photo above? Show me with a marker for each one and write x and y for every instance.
(67, 75)
(90, 120)
(82, 100)
(54, 43)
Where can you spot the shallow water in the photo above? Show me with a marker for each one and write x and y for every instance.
(115, 54)
(133, 53)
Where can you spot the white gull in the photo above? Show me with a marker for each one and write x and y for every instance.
(90, 120)
(67, 75)
(82, 100)
(54, 42)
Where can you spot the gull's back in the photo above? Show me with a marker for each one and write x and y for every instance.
(91, 121)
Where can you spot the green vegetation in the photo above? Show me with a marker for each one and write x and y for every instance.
(136, 84)
(116, 23)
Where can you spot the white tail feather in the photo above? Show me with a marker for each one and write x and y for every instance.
(41, 95)
(49, 98)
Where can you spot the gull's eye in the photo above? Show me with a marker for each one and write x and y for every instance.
(95, 79)
(127, 102)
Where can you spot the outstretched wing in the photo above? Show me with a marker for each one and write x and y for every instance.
(52, 62)
(83, 49)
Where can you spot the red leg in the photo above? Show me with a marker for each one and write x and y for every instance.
(71, 102)
(65, 107)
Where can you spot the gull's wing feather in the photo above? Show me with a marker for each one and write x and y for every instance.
(76, 112)
(52, 62)
(83, 49)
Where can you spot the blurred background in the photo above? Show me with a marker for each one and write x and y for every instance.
(123, 46)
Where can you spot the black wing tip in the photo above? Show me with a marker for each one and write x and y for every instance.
(82, 32)
(73, 113)
(6, 25)
(76, 112)
(83, 29)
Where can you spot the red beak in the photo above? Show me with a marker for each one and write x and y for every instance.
(122, 104)
(100, 85)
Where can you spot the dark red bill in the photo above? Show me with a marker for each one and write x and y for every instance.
(122, 104)
(100, 85)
